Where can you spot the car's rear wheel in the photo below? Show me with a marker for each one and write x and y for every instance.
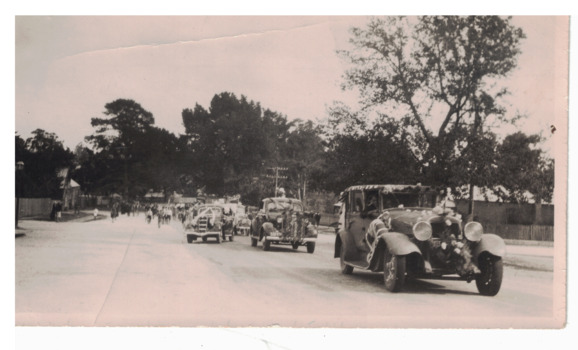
(266, 245)
(345, 269)
(253, 242)
(310, 247)
(295, 245)
(489, 280)
(190, 239)
(393, 271)
(204, 239)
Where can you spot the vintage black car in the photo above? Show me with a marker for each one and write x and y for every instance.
(404, 232)
(282, 220)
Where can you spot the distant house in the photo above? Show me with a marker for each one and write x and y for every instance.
(157, 197)
(70, 194)
(70, 190)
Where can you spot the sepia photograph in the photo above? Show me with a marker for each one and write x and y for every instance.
(231, 174)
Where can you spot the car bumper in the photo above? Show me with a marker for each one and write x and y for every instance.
(203, 234)
(289, 240)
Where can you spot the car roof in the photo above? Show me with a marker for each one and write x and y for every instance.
(213, 206)
(391, 188)
(282, 199)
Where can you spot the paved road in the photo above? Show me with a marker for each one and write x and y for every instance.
(129, 273)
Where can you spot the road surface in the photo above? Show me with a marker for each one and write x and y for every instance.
(129, 273)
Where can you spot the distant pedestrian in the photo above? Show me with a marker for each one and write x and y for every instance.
(58, 211)
(53, 212)
(95, 213)
(114, 211)
(317, 219)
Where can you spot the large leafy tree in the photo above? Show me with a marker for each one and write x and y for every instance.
(438, 76)
(303, 153)
(231, 142)
(44, 156)
(523, 169)
(131, 155)
(366, 152)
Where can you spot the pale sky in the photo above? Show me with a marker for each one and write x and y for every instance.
(68, 68)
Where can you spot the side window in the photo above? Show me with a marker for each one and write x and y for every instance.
(356, 201)
(388, 200)
(371, 200)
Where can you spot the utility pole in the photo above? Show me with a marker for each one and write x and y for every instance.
(277, 176)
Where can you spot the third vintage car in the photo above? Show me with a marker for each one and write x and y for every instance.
(282, 220)
(405, 232)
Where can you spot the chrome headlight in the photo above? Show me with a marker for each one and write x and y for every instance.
(473, 231)
(422, 231)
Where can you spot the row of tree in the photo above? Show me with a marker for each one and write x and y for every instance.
(408, 71)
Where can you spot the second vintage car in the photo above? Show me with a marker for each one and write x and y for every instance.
(404, 232)
(207, 223)
(282, 220)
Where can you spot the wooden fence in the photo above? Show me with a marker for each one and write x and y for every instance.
(35, 207)
(524, 232)
(544, 233)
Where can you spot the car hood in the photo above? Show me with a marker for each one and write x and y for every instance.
(403, 219)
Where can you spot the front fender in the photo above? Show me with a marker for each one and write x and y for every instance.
(337, 247)
(492, 244)
(399, 243)
(268, 228)
(311, 231)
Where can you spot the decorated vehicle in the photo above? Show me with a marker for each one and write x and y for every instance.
(281, 220)
(242, 225)
(208, 223)
(404, 232)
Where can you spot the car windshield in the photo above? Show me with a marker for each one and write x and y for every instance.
(396, 199)
(209, 211)
(280, 206)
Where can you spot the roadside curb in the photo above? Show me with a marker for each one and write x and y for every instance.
(529, 243)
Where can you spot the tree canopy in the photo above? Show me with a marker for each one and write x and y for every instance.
(131, 156)
(435, 69)
(44, 156)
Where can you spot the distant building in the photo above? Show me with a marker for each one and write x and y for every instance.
(157, 197)
(70, 191)
(70, 195)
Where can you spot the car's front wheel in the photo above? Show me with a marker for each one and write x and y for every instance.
(489, 280)
(345, 269)
(190, 239)
(253, 242)
(310, 247)
(266, 244)
(295, 245)
(393, 271)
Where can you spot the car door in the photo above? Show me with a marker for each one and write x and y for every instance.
(356, 224)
